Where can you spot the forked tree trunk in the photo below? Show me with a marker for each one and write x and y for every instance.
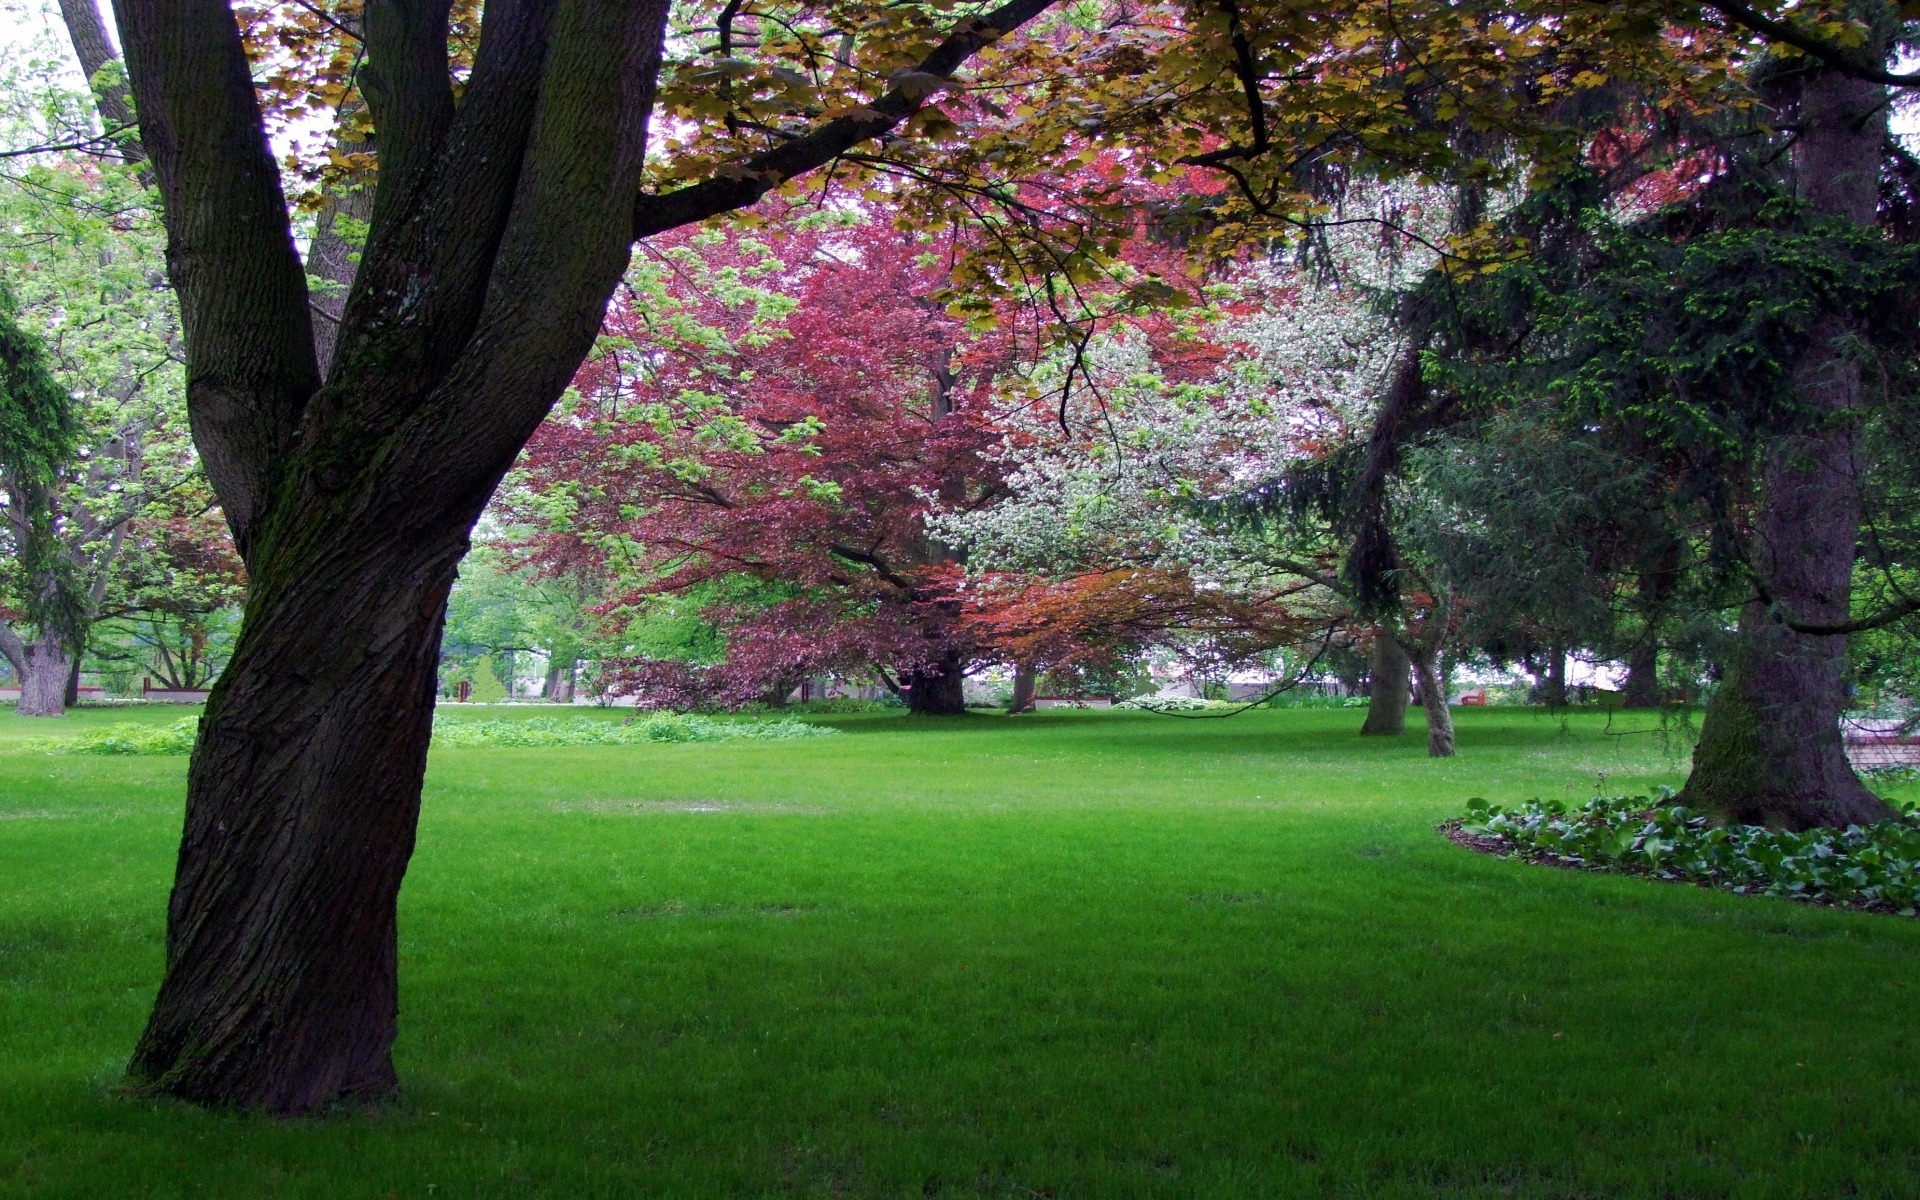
(1024, 678)
(1387, 693)
(1432, 682)
(281, 986)
(1770, 749)
(937, 689)
(43, 685)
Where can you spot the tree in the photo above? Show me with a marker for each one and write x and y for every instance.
(1725, 332)
(501, 222)
(778, 406)
(86, 313)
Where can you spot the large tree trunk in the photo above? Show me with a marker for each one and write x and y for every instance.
(1432, 683)
(1024, 678)
(937, 689)
(559, 687)
(1770, 749)
(43, 684)
(1387, 693)
(281, 989)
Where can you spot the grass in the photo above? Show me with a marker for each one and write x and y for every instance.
(1070, 955)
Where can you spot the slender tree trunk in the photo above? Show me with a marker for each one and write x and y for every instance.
(937, 689)
(1553, 684)
(43, 685)
(1642, 689)
(1432, 682)
(1387, 693)
(281, 986)
(1770, 749)
(1024, 678)
(73, 683)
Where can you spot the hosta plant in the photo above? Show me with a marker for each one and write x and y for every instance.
(1862, 866)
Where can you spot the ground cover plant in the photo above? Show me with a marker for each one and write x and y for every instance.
(134, 737)
(1077, 954)
(1873, 866)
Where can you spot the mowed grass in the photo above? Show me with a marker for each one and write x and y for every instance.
(1071, 955)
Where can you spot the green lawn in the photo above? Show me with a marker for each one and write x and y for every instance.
(1071, 955)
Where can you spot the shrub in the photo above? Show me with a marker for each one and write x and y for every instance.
(129, 738)
(1862, 866)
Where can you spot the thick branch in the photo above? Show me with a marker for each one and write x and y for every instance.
(230, 252)
(13, 650)
(741, 185)
(88, 33)
(1840, 58)
(407, 85)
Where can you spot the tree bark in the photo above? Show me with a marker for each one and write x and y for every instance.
(559, 687)
(937, 689)
(1642, 688)
(1553, 681)
(281, 988)
(45, 671)
(1387, 692)
(1432, 683)
(1024, 678)
(1770, 749)
(88, 33)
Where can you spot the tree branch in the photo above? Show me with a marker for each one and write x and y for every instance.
(1839, 58)
(230, 251)
(742, 184)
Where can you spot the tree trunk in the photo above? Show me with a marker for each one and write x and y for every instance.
(559, 686)
(281, 987)
(1770, 749)
(1643, 677)
(1553, 683)
(1024, 677)
(43, 685)
(937, 689)
(1432, 683)
(1387, 693)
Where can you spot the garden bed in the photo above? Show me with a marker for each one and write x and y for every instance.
(1873, 868)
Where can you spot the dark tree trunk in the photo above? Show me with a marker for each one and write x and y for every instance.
(1387, 693)
(88, 33)
(281, 990)
(1553, 682)
(1024, 678)
(1770, 749)
(72, 693)
(937, 689)
(1431, 680)
(1642, 688)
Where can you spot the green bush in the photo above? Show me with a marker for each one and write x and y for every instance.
(1862, 866)
(127, 738)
